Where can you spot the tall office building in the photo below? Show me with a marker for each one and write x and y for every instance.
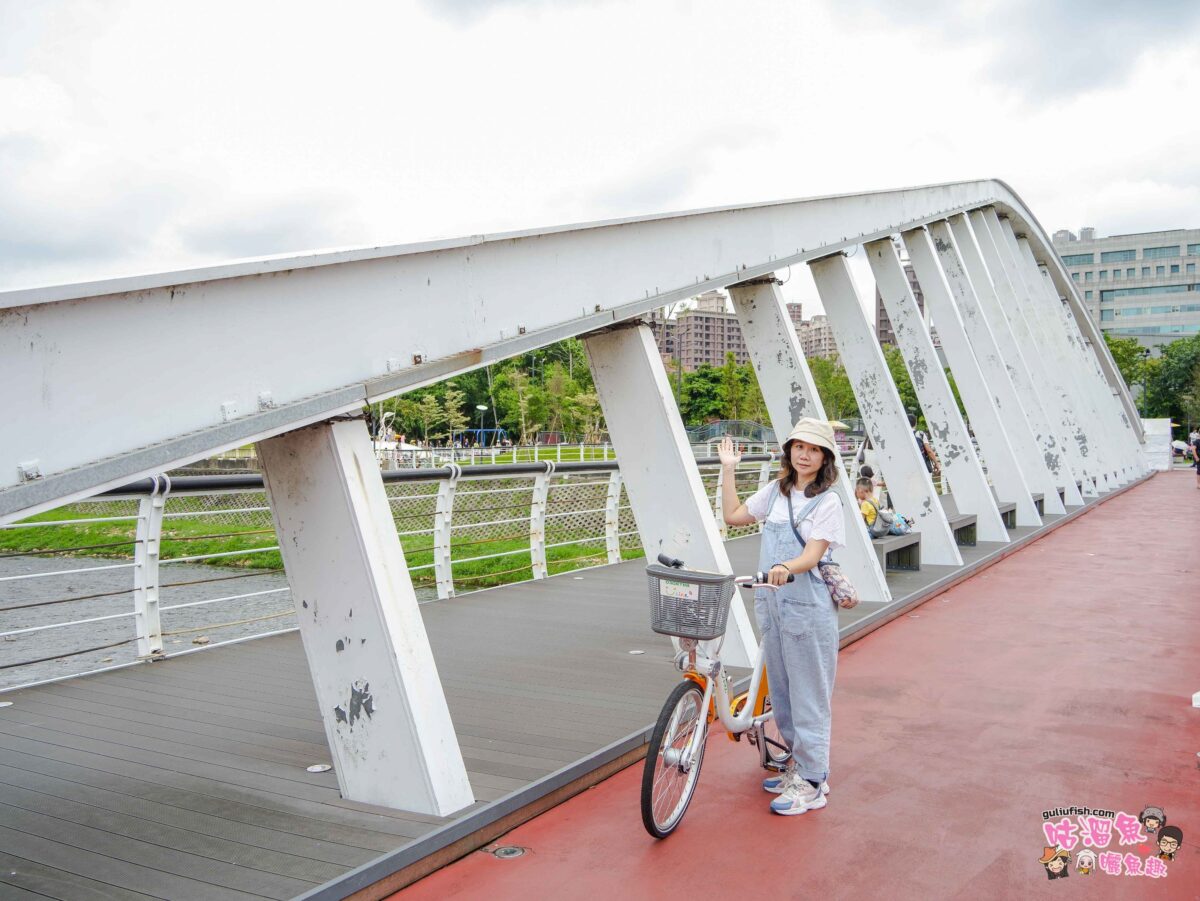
(1144, 286)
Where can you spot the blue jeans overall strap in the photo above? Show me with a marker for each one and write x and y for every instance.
(799, 626)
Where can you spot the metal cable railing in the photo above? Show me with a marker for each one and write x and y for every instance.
(574, 514)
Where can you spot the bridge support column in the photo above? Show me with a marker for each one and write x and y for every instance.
(1038, 353)
(674, 515)
(790, 394)
(1014, 422)
(377, 685)
(1059, 362)
(1107, 396)
(947, 430)
(1117, 442)
(1025, 393)
(973, 385)
(908, 480)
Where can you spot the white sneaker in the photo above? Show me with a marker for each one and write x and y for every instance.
(798, 797)
(776, 784)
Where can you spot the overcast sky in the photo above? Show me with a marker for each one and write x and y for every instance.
(141, 136)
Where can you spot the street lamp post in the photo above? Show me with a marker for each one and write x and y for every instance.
(482, 408)
(1145, 378)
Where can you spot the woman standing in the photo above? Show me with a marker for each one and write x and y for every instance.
(802, 523)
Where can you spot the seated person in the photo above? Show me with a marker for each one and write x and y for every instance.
(879, 521)
(866, 472)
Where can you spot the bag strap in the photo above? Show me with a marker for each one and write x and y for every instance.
(803, 513)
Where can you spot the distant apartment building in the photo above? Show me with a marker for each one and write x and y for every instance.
(816, 337)
(704, 334)
(1144, 286)
(883, 325)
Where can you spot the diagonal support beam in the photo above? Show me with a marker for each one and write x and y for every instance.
(377, 685)
(987, 352)
(662, 481)
(1060, 365)
(971, 376)
(790, 394)
(1010, 354)
(879, 403)
(1038, 352)
(1119, 442)
(946, 427)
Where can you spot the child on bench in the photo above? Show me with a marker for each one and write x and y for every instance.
(879, 521)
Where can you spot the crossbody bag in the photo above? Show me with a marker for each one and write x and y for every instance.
(841, 589)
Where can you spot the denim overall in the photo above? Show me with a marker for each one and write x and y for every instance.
(799, 626)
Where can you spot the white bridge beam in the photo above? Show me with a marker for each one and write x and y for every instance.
(216, 363)
(960, 465)
(661, 478)
(376, 682)
(884, 416)
(790, 394)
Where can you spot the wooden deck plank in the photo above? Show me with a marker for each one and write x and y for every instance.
(172, 837)
(326, 851)
(39, 881)
(121, 874)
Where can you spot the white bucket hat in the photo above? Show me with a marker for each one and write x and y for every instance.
(814, 431)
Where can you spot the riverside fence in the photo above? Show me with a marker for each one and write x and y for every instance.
(169, 566)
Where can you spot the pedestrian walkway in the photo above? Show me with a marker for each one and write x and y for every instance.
(1060, 677)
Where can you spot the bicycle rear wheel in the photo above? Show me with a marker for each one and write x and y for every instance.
(666, 788)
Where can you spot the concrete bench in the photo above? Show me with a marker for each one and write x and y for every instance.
(1008, 512)
(901, 552)
(1039, 501)
(961, 524)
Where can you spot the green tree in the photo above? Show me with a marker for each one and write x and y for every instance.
(904, 385)
(1128, 356)
(453, 414)
(834, 387)
(429, 414)
(1190, 401)
(731, 388)
(1169, 378)
(702, 399)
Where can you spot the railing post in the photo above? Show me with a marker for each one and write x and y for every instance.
(537, 521)
(764, 475)
(443, 520)
(612, 517)
(145, 569)
(718, 507)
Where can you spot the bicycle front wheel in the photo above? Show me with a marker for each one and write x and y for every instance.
(666, 786)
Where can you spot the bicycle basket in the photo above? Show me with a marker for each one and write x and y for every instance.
(688, 604)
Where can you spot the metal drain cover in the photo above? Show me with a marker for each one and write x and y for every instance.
(507, 852)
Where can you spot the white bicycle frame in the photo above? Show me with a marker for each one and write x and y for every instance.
(714, 671)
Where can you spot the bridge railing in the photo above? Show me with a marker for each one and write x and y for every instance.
(174, 566)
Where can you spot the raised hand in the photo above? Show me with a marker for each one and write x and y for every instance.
(728, 452)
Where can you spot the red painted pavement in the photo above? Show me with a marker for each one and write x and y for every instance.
(1061, 676)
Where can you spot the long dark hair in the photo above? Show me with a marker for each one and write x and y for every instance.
(788, 477)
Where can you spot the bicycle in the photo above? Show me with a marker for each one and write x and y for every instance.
(693, 606)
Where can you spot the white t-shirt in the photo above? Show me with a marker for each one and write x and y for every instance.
(824, 522)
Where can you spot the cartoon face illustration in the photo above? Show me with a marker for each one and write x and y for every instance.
(1055, 860)
(1152, 819)
(1169, 840)
(1085, 862)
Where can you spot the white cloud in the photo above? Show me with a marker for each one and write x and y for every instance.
(140, 135)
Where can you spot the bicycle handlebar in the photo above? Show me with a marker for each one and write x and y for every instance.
(759, 578)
